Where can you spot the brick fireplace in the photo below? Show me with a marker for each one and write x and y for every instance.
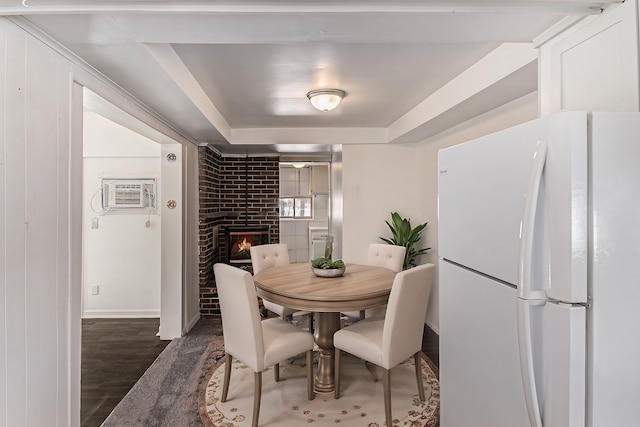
(235, 191)
(240, 239)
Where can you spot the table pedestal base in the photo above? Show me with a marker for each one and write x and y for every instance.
(327, 325)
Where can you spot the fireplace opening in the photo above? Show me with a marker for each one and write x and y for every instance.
(240, 240)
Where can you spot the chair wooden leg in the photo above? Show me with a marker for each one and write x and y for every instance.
(310, 393)
(276, 372)
(227, 376)
(257, 394)
(417, 361)
(387, 396)
(336, 374)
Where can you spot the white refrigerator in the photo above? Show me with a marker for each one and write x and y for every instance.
(539, 274)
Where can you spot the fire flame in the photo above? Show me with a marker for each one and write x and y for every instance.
(244, 246)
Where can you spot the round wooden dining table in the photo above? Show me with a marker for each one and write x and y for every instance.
(295, 286)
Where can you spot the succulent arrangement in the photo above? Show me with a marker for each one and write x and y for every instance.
(325, 263)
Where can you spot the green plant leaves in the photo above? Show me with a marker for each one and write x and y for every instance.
(404, 235)
(326, 263)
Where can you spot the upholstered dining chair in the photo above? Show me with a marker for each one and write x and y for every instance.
(389, 340)
(258, 344)
(380, 255)
(275, 255)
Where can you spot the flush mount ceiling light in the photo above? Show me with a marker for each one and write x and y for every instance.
(325, 99)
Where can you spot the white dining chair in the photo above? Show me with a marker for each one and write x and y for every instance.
(258, 344)
(380, 255)
(275, 255)
(389, 340)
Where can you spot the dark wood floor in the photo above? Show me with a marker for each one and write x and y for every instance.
(116, 352)
(431, 345)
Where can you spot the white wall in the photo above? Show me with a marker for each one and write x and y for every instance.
(41, 226)
(121, 255)
(377, 180)
(38, 359)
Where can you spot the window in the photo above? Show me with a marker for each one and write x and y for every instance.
(295, 197)
(296, 207)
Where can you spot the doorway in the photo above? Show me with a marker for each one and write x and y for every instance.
(131, 266)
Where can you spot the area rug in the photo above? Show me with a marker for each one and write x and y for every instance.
(285, 404)
(167, 394)
(179, 390)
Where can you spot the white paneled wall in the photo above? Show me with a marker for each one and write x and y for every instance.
(41, 228)
(36, 358)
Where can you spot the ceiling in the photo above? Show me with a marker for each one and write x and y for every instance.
(234, 74)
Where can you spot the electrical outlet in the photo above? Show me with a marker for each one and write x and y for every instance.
(94, 222)
(95, 290)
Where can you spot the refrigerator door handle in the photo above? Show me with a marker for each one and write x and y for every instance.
(527, 223)
(527, 369)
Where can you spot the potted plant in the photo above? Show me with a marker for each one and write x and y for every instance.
(326, 267)
(404, 235)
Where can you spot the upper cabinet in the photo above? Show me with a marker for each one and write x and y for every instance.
(304, 180)
(320, 179)
(593, 66)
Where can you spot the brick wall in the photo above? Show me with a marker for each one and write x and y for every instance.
(234, 191)
(250, 189)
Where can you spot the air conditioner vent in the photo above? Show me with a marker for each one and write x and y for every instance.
(128, 194)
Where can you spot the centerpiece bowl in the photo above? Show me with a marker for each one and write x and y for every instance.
(328, 272)
(325, 267)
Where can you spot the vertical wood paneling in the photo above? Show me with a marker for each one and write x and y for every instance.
(62, 317)
(34, 187)
(41, 234)
(42, 211)
(3, 236)
(71, 370)
(16, 345)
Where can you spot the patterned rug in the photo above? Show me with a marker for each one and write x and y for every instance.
(285, 403)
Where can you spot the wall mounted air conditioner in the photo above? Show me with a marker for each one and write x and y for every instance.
(129, 194)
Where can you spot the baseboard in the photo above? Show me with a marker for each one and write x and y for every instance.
(433, 327)
(120, 314)
(191, 323)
